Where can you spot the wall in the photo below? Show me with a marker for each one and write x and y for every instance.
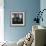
(30, 7)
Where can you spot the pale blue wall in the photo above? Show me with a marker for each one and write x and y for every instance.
(30, 7)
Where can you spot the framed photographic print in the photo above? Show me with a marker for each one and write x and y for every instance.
(17, 18)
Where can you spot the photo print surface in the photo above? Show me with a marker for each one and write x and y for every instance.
(17, 18)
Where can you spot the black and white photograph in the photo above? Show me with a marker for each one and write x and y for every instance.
(17, 18)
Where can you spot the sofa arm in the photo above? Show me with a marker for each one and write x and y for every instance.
(39, 37)
(21, 42)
